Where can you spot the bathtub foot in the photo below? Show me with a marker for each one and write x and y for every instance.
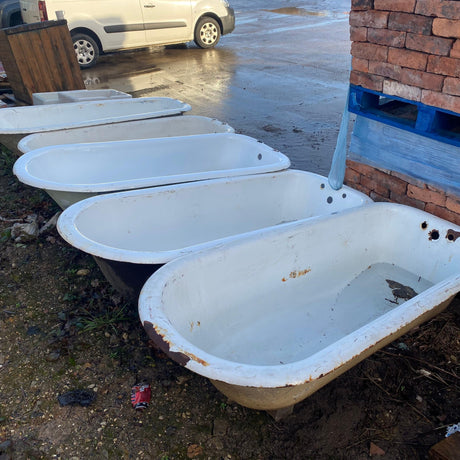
(279, 414)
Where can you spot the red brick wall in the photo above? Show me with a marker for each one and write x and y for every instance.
(408, 48)
(385, 185)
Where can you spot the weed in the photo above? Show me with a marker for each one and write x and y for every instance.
(109, 319)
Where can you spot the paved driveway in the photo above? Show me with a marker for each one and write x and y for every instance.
(280, 77)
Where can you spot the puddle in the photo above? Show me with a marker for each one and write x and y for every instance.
(295, 11)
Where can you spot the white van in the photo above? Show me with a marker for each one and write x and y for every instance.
(98, 26)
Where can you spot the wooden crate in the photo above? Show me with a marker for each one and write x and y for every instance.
(39, 58)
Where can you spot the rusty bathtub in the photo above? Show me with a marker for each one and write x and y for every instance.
(272, 317)
(132, 233)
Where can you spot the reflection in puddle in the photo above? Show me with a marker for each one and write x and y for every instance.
(293, 10)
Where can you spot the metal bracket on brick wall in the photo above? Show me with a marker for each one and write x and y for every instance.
(433, 122)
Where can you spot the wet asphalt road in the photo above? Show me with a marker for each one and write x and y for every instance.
(281, 76)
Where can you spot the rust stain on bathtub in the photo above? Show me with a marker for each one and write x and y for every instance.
(295, 274)
(157, 335)
(452, 235)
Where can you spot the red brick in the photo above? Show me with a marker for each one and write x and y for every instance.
(370, 18)
(408, 179)
(410, 23)
(361, 65)
(374, 82)
(444, 66)
(395, 88)
(428, 44)
(421, 79)
(406, 58)
(386, 37)
(440, 8)
(362, 5)
(443, 213)
(391, 183)
(453, 204)
(359, 187)
(358, 34)
(395, 5)
(375, 186)
(385, 70)
(455, 51)
(426, 195)
(352, 176)
(451, 86)
(402, 198)
(441, 100)
(369, 51)
(361, 168)
(378, 198)
(446, 27)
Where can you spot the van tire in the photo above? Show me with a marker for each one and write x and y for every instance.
(207, 32)
(86, 50)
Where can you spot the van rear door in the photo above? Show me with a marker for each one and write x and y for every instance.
(166, 21)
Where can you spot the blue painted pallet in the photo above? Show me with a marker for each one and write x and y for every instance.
(385, 146)
(433, 122)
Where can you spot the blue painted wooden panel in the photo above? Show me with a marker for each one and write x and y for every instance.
(388, 147)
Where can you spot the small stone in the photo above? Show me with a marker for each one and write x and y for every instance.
(22, 233)
(83, 272)
(53, 356)
(194, 450)
(375, 450)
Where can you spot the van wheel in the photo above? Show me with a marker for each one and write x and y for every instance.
(86, 50)
(207, 32)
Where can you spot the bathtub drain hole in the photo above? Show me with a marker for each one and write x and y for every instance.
(344, 195)
(424, 225)
(259, 156)
(329, 199)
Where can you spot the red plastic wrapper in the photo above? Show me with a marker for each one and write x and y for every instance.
(140, 396)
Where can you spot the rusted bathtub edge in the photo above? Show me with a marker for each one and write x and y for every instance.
(158, 339)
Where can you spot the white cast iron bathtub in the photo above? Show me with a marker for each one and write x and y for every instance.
(131, 234)
(17, 122)
(138, 129)
(70, 173)
(272, 317)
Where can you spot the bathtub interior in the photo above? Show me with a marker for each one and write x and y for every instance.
(177, 217)
(282, 297)
(123, 161)
(138, 129)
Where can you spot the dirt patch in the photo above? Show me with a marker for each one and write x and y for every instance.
(62, 328)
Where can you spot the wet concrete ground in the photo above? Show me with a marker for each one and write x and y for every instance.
(281, 76)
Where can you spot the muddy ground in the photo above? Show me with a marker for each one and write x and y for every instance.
(63, 328)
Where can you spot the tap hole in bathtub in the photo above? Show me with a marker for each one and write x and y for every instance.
(330, 199)
(433, 235)
(259, 156)
(452, 235)
(323, 185)
(424, 225)
(344, 195)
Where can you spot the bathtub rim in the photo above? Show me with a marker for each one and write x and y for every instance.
(70, 233)
(20, 168)
(181, 108)
(314, 367)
